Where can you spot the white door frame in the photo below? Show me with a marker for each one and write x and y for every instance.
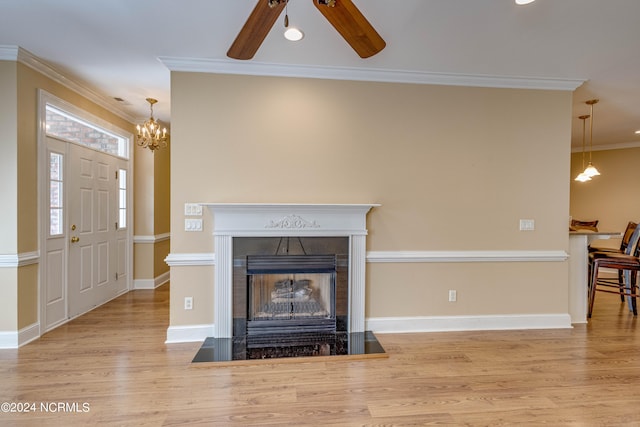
(45, 98)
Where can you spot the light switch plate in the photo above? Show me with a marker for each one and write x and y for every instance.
(192, 209)
(527, 225)
(192, 224)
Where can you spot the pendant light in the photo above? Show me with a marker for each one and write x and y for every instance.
(583, 177)
(591, 170)
(290, 33)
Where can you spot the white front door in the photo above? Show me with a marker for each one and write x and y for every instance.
(93, 229)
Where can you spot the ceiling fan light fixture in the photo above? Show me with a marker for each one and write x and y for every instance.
(290, 33)
(293, 34)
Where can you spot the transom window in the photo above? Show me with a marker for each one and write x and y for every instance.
(64, 125)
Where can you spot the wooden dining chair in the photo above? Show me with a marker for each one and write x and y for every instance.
(600, 245)
(595, 246)
(627, 263)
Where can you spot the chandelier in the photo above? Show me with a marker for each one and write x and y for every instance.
(149, 134)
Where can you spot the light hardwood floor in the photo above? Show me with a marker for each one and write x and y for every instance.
(114, 359)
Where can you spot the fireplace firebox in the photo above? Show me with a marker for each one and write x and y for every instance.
(287, 290)
(291, 294)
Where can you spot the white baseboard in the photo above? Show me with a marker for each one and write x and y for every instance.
(8, 340)
(151, 283)
(467, 323)
(382, 325)
(189, 333)
(21, 337)
(28, 334)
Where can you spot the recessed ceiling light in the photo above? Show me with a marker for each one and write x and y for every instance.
(638, 132)
(522, 2)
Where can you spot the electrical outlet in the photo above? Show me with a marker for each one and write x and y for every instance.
(188, 303)
(453, 295)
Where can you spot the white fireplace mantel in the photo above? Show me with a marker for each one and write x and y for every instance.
(292, 220)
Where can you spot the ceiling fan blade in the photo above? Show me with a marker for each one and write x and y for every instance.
(255, 29)
(347, 19)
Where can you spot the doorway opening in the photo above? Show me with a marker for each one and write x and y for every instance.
(85, 232)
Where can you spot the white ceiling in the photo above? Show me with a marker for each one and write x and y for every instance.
(114, 46)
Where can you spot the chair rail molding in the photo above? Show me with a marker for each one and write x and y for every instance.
(208, 258)
(466, 256)
(152, 238)
(19, 260)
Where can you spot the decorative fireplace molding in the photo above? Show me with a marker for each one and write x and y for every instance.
(292, 220)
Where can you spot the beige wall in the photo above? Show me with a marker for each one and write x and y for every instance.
(8, 157)
(162, 208)
(143, 221)
(612, 198)
(162, 184)
(454, 168)
(151, 207)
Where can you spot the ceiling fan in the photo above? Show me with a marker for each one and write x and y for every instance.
(345, 17)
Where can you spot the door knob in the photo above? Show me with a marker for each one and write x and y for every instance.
(75, 239)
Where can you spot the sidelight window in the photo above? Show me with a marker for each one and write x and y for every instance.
(122, 198)
(56, 186)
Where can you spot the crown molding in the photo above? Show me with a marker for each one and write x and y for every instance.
(16, 53)
(223, 66)
(604, 147)
(8, 53)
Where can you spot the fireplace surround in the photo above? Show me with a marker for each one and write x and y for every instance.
(234, 224)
